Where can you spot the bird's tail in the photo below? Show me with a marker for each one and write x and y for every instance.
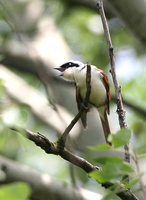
(105, 125)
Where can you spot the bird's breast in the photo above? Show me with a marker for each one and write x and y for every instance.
(98, 96)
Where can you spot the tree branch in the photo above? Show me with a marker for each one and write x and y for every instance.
(120, 108)
(125, 194)
(55, 148)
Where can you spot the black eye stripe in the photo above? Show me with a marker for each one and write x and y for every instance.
(69, 64)
(73, 64)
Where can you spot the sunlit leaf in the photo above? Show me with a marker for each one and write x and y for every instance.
(121, 138)
(101, 147)
(126, 167)
(113, 169)
(105, 159)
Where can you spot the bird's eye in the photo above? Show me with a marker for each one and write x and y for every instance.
(69, 63)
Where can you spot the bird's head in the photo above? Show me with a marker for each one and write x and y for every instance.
(69, 68)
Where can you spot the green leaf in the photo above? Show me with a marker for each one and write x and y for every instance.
(108, 174)
(121, 138)
(15, 191)
(105, 159)
(101, 147)
(127, 168)
(114, 168)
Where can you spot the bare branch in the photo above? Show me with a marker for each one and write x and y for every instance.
(56, 149)
(120, 108)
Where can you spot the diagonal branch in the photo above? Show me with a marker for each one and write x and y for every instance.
(54, 148)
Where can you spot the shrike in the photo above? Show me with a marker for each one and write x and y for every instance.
(75, 71)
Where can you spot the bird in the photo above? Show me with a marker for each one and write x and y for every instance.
(75, 71)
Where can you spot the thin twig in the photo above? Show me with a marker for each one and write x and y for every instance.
(120, 108)
(84, 106)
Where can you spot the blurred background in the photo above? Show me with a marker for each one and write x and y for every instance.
(38, 35)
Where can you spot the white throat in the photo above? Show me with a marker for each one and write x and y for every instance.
(73, 73)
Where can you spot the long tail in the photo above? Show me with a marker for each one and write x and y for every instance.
(105, 125)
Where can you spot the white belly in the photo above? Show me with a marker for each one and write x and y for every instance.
(98, 92)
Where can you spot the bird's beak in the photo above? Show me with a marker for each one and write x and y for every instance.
(61, 70)
(58, 68)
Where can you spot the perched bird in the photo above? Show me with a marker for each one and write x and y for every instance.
(75, 71)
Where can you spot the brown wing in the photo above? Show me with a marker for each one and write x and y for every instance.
(106, 84)
(79, 104)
